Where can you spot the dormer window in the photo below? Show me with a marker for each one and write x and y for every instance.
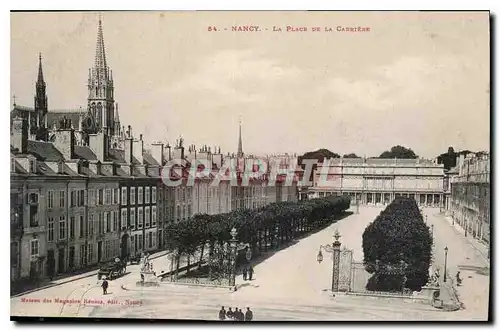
(60, 167)
(32, 165)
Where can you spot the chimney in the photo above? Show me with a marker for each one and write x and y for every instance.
(128, 146)
(138, 149)
(167, 152)
(19, 134)
(64, 141)
(98, 143)
(178, 153)
(157, 152)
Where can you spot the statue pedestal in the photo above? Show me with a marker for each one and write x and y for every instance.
(429, 294)
(150, 279)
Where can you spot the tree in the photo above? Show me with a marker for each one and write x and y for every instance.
(399, 152)
(351, 156)
(397, 248)
(320, 155)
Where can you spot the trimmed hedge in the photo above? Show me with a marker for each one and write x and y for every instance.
(397, 248)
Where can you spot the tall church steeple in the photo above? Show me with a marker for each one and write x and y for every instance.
(101, 90)
(240, 144)
(37, 122)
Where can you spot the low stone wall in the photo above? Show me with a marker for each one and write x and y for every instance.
(199, 282)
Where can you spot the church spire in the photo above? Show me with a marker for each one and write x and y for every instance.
(100, 51)
(240, 144)
(40, 81)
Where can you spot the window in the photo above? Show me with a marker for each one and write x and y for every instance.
(81, 198)
(115, 220)
(147, 218)
(100, 224)
(72, 200)
(146, 193)
(100, 197)
(92, 197)
(90, 226)
(72, 227)
(34, 248)
(141, 218)
(141, 242)
(62, 228)
(50, 232)
(107, 198)
(109, 225)
(82, 225)
(150, 240)
(153, 195)
(154, 239)
(132, 195)
(116, 196)
(50, 199)
(124, 196)
(139, 195)
(132, 218)
(124, 218)
(153, 216)
(107, 222)
(61, 199)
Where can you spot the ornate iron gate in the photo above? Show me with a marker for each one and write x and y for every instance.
(345, 270)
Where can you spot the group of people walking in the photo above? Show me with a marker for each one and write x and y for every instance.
(247, 273)
(236, 315)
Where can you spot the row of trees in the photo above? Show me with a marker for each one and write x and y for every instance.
(397, 248)
(264, 228)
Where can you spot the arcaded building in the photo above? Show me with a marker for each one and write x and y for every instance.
(375, 181)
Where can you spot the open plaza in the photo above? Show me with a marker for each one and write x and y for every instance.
(289, 284)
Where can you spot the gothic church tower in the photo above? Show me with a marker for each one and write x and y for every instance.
(101, 90)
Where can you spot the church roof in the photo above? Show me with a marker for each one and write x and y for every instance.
(149, 159)
(71, 114)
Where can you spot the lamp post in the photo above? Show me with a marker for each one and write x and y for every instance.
(445, 261)
(333, 248)
(233, 240)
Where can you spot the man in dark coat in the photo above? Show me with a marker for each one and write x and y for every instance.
(230, 313)
(248, 314)
(222, 314)
(245, 273)
(250, 273)
(241, 316)
(105, 287)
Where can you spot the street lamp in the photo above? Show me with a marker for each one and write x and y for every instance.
(333, 248)
(233, 240)
(445, 261)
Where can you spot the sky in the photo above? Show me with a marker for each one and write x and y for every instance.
(417, 79)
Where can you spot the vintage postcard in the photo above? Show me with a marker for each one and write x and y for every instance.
(250, 166)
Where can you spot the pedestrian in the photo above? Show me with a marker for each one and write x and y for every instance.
(105, 287)
(222, 314)
(459, 280)
(230, 313)
(245, 273)
(242, 316)
(236, 314)
(248, 315)
(250, 273)
(142, 278)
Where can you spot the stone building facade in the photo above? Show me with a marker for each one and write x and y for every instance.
(376, 181)
(470, 195)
